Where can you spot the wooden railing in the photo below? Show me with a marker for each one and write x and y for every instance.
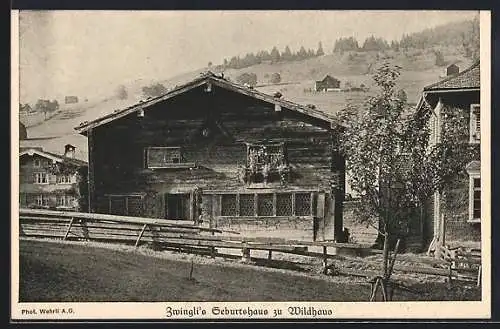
(187, 236)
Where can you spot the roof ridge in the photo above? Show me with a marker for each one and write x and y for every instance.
(204, 76)
(475, 64)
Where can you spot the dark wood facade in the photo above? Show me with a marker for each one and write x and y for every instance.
(228, 156)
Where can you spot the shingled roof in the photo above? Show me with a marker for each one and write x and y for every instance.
(469, 78)
(217, 81)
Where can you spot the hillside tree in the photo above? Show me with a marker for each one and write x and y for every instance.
(247, 78)
(275, 78)
(275, 55)
(320, 51)
(46, 106)
(154, 90)
(392, 166)
(121, 92)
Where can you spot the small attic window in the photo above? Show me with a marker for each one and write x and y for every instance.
(165, 157)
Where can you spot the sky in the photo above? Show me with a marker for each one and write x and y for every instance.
(92, 52)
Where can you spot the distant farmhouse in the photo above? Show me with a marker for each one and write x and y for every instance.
(70, 99)
(52, 181)
(217, 152)
(328, 83)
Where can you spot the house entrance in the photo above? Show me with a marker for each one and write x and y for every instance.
(177, 206)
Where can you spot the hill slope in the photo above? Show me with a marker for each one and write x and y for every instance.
(355, 68)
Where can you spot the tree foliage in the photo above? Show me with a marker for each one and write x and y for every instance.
(439, 61)
(273, 56)
(275, 78)
(154, 90)
(345, 44)
(392, 165)
(46, 106)
(247, 78)
(121, 92)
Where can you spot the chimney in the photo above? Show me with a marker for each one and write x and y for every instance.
(69, 151)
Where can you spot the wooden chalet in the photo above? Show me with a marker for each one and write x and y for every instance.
(455, 214)
(222, 154)
(327, 84)
(52, 181)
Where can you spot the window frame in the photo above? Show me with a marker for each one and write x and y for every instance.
(42, 200)
(68, 179)
(474, 132)
(68, 201)
(37, 181)
(472, 189)
(181, 164)
(37, 163)
(312, 208)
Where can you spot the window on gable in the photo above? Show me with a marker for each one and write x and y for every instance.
(165, 157)
(41, 178)
(37, 163)
(475, 123)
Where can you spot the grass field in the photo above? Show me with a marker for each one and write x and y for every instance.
(53, 271)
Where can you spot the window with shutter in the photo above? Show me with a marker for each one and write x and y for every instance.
(475, 199)
(475, 123)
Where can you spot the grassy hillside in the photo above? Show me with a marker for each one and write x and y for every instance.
(418, 70)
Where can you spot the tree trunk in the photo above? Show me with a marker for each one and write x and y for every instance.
(386, 251)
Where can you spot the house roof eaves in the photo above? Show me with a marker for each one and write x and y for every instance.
(221, 82)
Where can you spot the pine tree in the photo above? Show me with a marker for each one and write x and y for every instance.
(320, 51)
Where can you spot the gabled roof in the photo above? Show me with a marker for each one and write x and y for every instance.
(328, 77)
(202, 80)
(51, 156)
(469, 78)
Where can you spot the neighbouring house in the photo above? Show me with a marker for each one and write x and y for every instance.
(455, 215)
(70, 99)
(52, 181)
(230, 156)
(328, 83)
(25, 109)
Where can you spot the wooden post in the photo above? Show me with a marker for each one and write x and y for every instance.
(69, 228)
(270, 255)
(325, 260)
(140, 235)
(393, 260)
(479, 270)
(90, 175)
(245, 254)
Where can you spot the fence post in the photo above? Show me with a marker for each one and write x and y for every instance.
(479, 270)
(140, 235)
(325, 260)
(69, 228)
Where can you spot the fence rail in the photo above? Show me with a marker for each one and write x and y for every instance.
(186, 235)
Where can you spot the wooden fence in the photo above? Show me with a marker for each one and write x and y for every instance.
(186, 236)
